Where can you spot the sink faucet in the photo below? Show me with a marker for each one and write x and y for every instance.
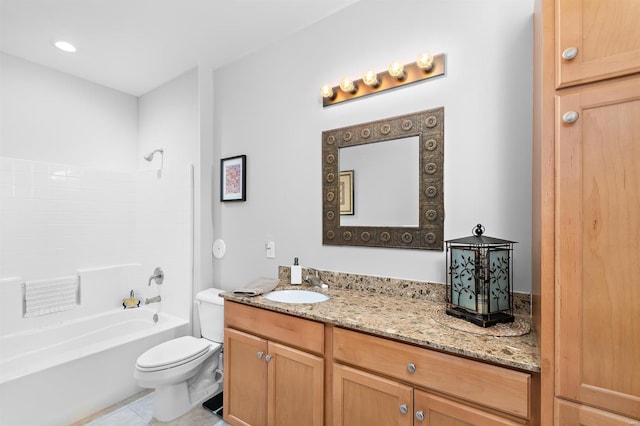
(315, 280)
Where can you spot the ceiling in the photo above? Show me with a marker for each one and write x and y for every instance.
(137, 45)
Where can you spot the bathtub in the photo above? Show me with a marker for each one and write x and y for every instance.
(61, 373)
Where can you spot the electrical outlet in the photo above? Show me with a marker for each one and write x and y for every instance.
(270, 248)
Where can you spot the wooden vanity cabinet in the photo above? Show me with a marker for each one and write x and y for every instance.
(274, 368)
(375, 377)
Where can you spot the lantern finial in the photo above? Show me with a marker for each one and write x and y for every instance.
(478, 230)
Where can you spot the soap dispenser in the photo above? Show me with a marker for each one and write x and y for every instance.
(296, 272)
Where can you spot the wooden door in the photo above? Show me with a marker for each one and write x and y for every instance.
(606, 34)
(598, 247)
(245, 381)
(432, 410)
(296, 387)
(568, 413)
(363, 399)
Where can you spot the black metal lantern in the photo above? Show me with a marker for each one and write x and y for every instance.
(479, 279)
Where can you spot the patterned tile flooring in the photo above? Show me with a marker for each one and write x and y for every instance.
(138, 411)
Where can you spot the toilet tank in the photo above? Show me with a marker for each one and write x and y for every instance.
(211, 314)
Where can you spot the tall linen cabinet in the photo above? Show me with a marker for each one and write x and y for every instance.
(586, 210)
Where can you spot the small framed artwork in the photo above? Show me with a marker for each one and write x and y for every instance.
(346, 192)
(233, 178)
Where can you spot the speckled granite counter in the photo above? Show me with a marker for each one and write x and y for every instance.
(404, 319)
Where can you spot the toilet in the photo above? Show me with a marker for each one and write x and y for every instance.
(185, 371)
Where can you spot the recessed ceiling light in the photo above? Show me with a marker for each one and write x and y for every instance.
(65, 46)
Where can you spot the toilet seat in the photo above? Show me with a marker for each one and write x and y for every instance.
(174, 353)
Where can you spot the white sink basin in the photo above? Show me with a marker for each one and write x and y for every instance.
(295, 296)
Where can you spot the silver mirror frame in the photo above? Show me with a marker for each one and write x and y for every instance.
(429, 234)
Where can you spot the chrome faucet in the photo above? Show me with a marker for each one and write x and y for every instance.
(158, 276)
(152, 300)
(315, 280)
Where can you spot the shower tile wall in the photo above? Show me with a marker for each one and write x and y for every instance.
(57, 218)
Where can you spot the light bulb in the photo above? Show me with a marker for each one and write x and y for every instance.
(396, 69)
(425, 61)
(347, 85)
(370, 78)
(327, 92)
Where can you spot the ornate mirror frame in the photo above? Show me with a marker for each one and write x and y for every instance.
(429, 234)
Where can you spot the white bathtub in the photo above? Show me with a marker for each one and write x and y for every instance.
(62, 373)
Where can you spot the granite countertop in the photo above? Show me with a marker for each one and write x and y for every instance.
(403, 319)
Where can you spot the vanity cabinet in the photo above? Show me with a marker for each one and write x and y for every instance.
(274, 368)
(376, 378)
(586, 206)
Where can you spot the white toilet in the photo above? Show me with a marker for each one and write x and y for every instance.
(184, 371)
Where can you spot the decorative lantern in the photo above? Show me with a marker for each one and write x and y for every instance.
(479, 278)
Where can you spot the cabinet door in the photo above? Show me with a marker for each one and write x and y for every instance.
(245, 381)
(606, 34)
(362, 399)
(296, 387)
(568, 413)
(432, 410)
(598, 247)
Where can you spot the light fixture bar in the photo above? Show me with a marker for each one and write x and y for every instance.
(412, 72)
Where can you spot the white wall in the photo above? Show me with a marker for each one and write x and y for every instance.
(268, 107)
(49, 116)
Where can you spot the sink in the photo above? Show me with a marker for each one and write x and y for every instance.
(295, 296)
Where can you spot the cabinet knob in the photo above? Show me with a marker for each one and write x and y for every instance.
(404, 409)
(570, 117)
(420, 415)
(569, 53)
(260, 354)
(267, 358)
(411, 367)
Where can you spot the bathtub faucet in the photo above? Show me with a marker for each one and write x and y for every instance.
(158, 276)
(152, 300)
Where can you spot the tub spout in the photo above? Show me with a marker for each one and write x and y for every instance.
(152, 300)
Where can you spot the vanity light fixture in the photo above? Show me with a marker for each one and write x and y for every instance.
(398, 74)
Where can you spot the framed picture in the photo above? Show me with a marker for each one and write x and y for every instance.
(233, 178)
(346, 192)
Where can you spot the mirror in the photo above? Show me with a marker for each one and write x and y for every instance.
(386, 177)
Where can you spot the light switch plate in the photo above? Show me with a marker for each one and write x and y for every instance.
(270, 247)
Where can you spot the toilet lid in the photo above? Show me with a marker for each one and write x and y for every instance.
(173, 353)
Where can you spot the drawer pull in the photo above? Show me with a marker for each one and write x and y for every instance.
(411, 367)
(420, 415)
(570, 117)
(404, 409)
(570, 53)
(267, 358)
(260, 354)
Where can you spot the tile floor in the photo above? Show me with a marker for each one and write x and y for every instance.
(138, 411)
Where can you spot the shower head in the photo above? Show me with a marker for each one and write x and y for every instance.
(149, 156)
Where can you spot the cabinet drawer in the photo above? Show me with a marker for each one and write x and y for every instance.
(297, 332)
(484, 384)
